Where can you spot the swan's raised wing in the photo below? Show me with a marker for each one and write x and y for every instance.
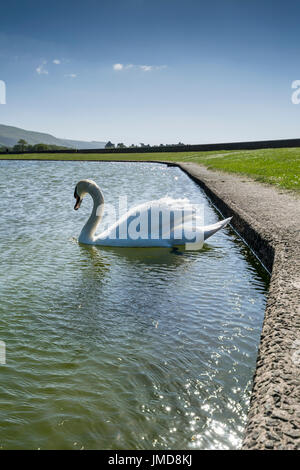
(150, 219)
(162, 222)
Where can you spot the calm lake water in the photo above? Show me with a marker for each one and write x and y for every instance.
(120, 348)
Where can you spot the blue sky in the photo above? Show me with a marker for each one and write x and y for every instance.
(190, 71)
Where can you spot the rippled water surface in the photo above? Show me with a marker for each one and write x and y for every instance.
(108, 348)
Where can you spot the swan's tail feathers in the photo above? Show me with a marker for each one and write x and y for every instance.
(209, 230)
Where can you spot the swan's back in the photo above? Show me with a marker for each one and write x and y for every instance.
(153, 223)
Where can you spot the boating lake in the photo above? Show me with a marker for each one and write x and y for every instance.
(120, 348)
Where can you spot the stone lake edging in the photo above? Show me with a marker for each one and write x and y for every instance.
(269, 221)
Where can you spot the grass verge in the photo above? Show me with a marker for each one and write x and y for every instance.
(279, 167)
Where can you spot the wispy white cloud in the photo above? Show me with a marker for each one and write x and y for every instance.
(118, 66)
(148, 68)
(144, 68)
(41, 68)
(71, 75)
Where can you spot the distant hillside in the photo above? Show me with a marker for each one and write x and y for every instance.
(9, 136)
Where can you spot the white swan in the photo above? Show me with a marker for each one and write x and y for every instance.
(128, 230)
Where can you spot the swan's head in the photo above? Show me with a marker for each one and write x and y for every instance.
(82, 188)
(78, 194)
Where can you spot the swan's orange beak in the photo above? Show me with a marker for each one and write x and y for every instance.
(78, 200)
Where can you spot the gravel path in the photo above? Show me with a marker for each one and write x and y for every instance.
(269, 221)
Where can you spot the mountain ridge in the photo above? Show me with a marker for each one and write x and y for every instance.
(9, 136)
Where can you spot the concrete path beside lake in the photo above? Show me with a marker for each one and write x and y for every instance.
(269, 221)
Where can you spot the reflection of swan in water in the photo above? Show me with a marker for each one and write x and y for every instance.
(120, 234)
(148, 256)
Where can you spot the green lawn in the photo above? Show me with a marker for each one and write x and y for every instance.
(280, 167)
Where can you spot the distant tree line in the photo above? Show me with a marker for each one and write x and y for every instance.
(23, 146)
(110, 145)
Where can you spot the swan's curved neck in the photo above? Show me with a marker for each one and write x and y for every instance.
(87, 234)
